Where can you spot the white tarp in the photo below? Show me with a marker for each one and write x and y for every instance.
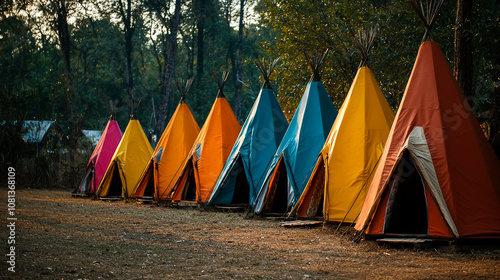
(419, 150)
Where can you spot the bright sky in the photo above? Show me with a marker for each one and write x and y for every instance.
(86, 9)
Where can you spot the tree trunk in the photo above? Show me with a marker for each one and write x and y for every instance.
(61, 25)
(239, 69)
(191, 52)
(230, 56)
(157, 57)
(65, 42)
(75, 121)
(191, 55)
(463, 48)
(227, 15)
(129, 33)
(169, 67)
(128, 30)
(200, 25)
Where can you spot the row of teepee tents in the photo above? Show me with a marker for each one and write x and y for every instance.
(426, 171)
(192, 158)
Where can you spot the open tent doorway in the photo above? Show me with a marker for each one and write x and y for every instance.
(406, 211)
(149, 190)
(116, 187)
(311, 202)
(277, 201)
(86, 183)
(189, 191)
(315, 207)
(242, 188)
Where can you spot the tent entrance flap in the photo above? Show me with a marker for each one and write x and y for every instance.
(115, 185)
(242, 188)
(277, 198)
(146, 186)
(189, 191)
(86, 183)
(310, 204)
(315, 207)
(406, 211)
(149, 190)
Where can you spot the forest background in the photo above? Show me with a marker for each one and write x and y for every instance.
(62, 59)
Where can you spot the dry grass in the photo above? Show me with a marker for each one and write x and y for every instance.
(59, 237)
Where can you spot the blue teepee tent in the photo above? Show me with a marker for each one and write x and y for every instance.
(294, 160)
(260, 136)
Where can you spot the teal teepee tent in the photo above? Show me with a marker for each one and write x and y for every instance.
(254, 148)
(294, 160)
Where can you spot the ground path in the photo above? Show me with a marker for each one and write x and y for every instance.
(60, 237)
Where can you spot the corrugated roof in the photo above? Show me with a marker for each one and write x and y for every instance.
(93, 135)
(34, 131)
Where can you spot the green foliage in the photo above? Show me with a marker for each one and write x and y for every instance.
(316, 25)
(486, 40)
(34, 73)
(31, 76)
(99, 70)
(16, 57)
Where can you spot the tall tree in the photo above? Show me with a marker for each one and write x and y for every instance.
(59, 10)
(169, 65)
(129, 16)
(227, 15)
(201, 12)
(239, 64)
(60, 24)
(463, 68)
(75, 119)
(227, 8)
(16, 77)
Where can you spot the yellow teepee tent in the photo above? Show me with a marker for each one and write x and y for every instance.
(345, 166)
(172, 149)
(127, 163)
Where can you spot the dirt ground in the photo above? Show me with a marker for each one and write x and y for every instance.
(60, 237)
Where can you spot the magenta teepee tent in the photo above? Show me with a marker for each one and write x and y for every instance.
(99, 160)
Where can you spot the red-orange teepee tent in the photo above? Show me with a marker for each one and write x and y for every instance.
(438, 176)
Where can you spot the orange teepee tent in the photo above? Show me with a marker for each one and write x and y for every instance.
(165, 165)
(210, 151)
